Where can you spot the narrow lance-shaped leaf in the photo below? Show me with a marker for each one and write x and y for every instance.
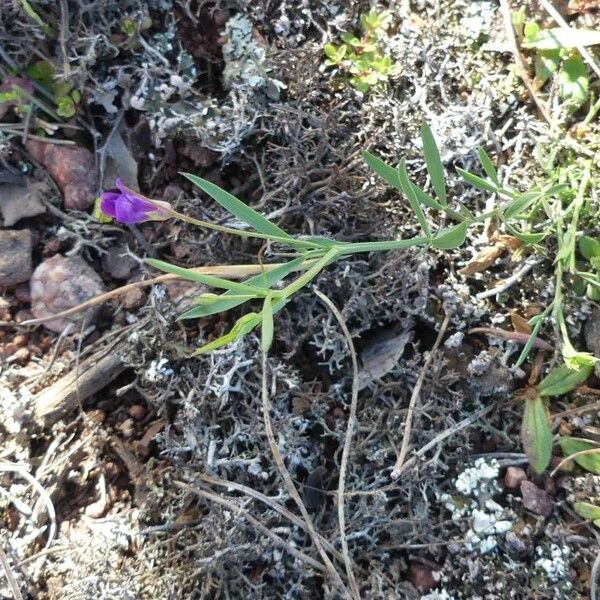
(409, 192)
(531, 239)
(521, 203)
(450, 238)
(590, 462)
(562, 379)
(242, 327)
(435, 168)
(238, 208)
(389, 174)
(488, 166)
(217, 282)
(536, 436)
(477, 181)
(230, 299)
(267, 325)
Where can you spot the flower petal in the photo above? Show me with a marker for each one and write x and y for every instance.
(109, 202)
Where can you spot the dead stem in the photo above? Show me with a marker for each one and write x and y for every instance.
(240, 511)
(289, 484)
(414, 397)
(519, 63)
(347, 441)
(10, 578)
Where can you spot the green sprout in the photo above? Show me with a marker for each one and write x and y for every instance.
(361, 57)
(556, 56)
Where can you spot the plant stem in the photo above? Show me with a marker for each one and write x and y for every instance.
(316, 268)
(239, 232)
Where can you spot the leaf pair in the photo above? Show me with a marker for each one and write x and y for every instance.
(536, 435)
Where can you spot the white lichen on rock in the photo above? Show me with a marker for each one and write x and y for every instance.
(555, 566)
(487, 519)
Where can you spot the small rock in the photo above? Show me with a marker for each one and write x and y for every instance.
(117, 263)
(536, 500)
(421, 576)
(19, 202)
(60, 283)
(15, 256)
(71, 167)
(134, 298)
(137, 411)
(514, 476)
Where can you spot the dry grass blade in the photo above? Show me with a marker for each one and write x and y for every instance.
(240, 511)
(10, 578)
(289, 484)
(347, 442)
(414, 397)
(522, 69)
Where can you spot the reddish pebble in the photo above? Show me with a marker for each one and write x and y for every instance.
(536, 500)
(137, 411)
(514, 477)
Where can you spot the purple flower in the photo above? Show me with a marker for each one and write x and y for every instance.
(127, 206)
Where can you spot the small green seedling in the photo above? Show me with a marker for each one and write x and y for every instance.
(361, 57)
(556, 55)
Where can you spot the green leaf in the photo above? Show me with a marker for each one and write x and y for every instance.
(238, 208)
(217, 282)
(521, 203)
(389, 174)
(537, 324)
(230, 299)
(425, 198)
(546, 63)
(450, 238)
(435, 168)
(412, 197)
(242, 327)
(574, 80)
(477, 181)
(590, 462)
(267, 325)
(330, 51)
(531, 239)
(536, 436)
(588, 511)
(562, 380)
(65, 107)
(562, 37)
(589, 247)
(488, 166)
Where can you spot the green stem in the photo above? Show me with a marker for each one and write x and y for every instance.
(381, 246)
(577, 206)
(307, 277)
(221, 228)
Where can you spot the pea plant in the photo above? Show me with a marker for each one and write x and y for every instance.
(549, 214)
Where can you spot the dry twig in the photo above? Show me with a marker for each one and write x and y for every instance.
(347, 441)
(289, 484)
(414, 397)
(519, 63)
